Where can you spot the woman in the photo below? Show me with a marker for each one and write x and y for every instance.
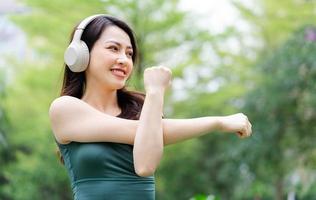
(111, 139)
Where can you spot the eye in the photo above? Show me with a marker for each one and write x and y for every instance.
(113, 48)
(129, 54)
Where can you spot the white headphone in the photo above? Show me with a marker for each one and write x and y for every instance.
(77, 54)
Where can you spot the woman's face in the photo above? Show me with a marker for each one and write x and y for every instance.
(111, 59)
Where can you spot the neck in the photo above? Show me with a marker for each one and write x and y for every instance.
(102, 99)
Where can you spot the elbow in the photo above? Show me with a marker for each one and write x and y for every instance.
(146, 164)
(144, 171)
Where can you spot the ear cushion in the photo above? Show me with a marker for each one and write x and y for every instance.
(77, 56)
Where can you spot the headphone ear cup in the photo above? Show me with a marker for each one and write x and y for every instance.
(77, 56)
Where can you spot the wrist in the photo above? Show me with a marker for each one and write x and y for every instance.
(155, 91)
(214, 123)
(218, 123)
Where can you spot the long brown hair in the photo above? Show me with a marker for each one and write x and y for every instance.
(74, 83)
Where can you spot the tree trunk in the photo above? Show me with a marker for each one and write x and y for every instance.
(279, 189)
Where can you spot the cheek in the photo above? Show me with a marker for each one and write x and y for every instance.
(131, 70)
(100, 62)
(94, 61)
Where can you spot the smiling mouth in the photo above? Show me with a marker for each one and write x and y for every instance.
(118, 72)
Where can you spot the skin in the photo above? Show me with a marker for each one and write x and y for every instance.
(92, 119)
(112, 50)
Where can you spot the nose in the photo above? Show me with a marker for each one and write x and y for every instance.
(122, 59)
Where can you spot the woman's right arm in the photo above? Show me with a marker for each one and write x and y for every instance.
(74, 120)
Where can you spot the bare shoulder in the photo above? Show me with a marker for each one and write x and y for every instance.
(63, 108)
(62, 112)
(63, 104)
(64, 101)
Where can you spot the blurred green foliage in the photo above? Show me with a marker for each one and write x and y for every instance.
(273, 83)
(283, 107)
(5, 148)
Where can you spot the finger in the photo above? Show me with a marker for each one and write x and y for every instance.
(242, 133)
(246, 117)
(169, 70)
(239, 133)
(250, 129)
(247, 130)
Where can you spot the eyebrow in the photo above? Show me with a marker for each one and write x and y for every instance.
(117, 43)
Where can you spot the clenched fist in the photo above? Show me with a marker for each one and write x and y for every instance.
(237, 123)
(157, 78)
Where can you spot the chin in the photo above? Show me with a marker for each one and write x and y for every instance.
(119, 86)
(115, 84)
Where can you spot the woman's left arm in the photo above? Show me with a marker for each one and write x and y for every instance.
(177, 130)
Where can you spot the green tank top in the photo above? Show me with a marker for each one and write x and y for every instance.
(105, 171)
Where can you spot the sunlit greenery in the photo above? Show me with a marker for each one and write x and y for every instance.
(271, 79)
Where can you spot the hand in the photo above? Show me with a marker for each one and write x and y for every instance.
(157, 78)
(237, 123)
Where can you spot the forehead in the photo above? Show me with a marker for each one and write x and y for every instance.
(114, 33)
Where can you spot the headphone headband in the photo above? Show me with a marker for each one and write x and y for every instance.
(83, 24)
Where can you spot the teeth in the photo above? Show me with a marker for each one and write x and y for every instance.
(121, 72)
(118, 70)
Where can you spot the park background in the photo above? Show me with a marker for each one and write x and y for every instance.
(262, 63)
